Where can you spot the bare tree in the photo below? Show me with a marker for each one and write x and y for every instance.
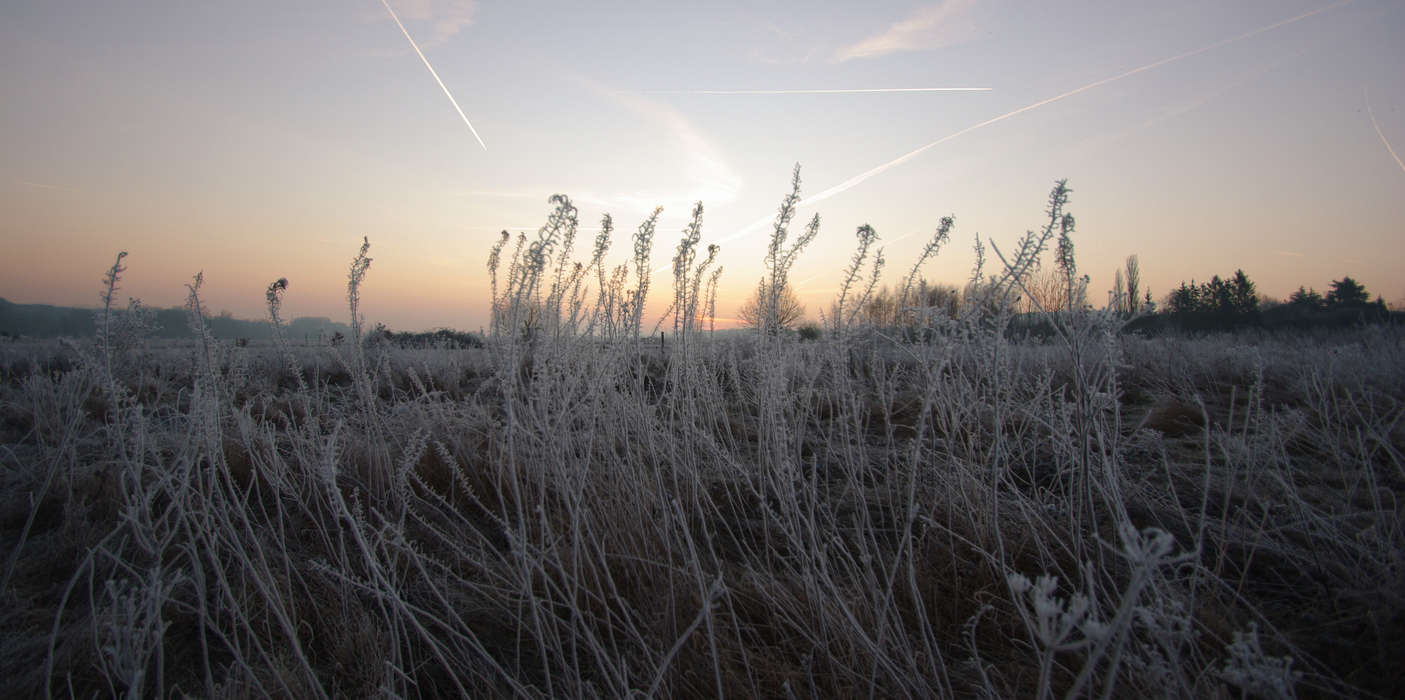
(1045, 291)
(1134, 283)
(789, 310)
(945, 298)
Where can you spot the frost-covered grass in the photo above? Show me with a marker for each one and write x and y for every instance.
(578, 510)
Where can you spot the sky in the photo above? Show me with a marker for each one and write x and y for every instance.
(255, 140)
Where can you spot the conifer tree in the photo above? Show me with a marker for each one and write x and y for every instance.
(1347, 292)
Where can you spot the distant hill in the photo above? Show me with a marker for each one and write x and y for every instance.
(45, 321)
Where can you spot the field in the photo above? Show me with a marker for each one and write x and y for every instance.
(938, 507)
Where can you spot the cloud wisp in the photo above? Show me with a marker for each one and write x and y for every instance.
(435, 74)
(1378, 131)
(445, 17)
(928, 28)
(712, 177)
(851, 182)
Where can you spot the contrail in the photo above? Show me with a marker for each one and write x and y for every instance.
(100, 194)
(860, 178)
(67, 189)
(1378, 131)
(905, 235)
(792, 92)
(436, 75)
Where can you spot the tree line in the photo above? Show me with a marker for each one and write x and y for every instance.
(1234, 302)
(1221, 304)
(46, 321)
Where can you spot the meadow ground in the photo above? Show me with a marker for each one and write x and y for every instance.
(750, 518)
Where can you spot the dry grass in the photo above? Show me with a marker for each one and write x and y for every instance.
(570, 512)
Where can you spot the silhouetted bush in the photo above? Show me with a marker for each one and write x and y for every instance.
(442, 337)
(1346, 304)
(1308, 317)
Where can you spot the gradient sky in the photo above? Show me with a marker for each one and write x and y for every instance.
(255, 140)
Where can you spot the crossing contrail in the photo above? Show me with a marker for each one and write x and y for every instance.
(436, 75)
(1378, 131)
(851, 182)
(793, 92)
